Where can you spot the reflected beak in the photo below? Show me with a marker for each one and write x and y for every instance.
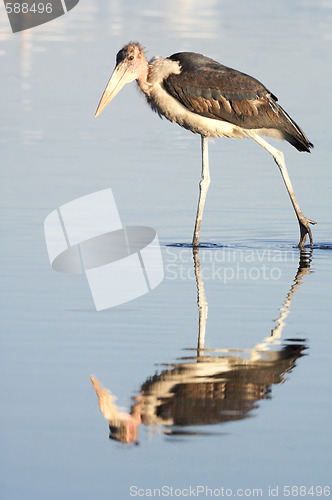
(120, 76)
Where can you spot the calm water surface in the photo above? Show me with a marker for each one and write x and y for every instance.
(222, 373)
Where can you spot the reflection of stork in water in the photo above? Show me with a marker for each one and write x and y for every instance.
(212, 100)
(218, 385)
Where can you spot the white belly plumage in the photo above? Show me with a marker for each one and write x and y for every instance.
(166, 105)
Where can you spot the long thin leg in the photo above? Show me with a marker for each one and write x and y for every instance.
(280, 161)
(203, 189)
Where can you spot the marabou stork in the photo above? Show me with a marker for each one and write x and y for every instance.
(212, 100)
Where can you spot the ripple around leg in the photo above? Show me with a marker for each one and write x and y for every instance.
(253, 244)
(248, 245)
(322, 246)
(201, 245)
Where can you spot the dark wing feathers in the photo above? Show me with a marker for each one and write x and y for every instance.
(215, 91)
(229, 94)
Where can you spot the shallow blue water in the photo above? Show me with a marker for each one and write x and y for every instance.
(247, 412)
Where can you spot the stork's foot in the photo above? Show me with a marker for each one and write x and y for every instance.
(305, 230)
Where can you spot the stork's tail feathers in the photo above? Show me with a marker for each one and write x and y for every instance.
(293, 133)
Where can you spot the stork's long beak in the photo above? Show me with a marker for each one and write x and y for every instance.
(121, 75)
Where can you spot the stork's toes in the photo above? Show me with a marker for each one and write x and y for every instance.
(305, 230)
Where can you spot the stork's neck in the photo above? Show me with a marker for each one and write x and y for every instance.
(143, 76)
